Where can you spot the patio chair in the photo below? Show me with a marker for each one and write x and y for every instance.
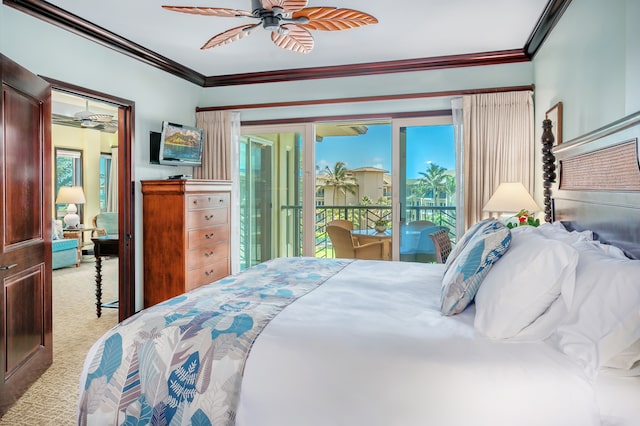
(342, 222)
(442, 244)
(344, 246)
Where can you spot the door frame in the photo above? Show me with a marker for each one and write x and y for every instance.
(126, 190)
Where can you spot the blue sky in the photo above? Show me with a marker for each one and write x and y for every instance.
(425, 145)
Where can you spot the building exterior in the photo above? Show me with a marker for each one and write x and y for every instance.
(370, 182)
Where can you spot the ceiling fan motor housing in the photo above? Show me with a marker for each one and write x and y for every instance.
(271, 23)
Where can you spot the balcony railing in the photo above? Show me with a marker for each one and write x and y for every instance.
(363, 217)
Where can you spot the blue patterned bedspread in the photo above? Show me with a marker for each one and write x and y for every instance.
(181, 362)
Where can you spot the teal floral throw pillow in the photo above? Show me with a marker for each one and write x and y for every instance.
(464, 240)
(464, 275)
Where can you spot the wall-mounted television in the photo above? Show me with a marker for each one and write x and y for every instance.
(180, 145)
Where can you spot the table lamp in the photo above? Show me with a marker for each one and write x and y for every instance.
(71, 195)
(509, 199)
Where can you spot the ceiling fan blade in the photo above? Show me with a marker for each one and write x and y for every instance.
(229, 36)
(208, 11)
(287, 5)
(333, 19)
(296, 39)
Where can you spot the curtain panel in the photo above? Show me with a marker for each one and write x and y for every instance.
(220, 129)
(112, 190)
(497, 146)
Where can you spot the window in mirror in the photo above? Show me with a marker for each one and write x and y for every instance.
(68, 171)
(105, 178)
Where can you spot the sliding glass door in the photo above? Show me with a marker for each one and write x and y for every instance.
(424, 153)
(271, 195)
(353, 180)
(293, 180)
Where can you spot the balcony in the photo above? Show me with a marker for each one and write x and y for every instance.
(363, 217)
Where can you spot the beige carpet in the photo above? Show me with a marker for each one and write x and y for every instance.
(52, 399)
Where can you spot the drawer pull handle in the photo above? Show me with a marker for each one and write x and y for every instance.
(208, 217)
(195, 202)
(208, 273)
(209, 236)
(208, 254)
(7, 267)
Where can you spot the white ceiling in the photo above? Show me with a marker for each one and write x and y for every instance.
(407, 29)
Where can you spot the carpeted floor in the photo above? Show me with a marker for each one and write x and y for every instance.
(52, 399)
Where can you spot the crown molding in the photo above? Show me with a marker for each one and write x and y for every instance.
(548, 20)
(371, 68)
(73, 23)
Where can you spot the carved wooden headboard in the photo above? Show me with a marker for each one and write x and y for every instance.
(597, 186)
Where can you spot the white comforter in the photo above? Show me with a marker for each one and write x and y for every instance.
(369, 347)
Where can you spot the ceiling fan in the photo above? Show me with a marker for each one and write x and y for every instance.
(88, 120)
(288, 20)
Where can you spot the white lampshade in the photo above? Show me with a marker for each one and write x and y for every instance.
(511, 197)
(71, 195)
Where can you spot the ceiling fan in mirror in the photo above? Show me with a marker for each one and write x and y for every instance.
(288, 20)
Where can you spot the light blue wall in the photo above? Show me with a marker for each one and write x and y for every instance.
(590, 62)
(391, 84)
(52, 52)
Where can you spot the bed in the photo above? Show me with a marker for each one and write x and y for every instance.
(533, 326)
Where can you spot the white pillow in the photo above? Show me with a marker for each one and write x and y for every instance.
(557, 231)
(628, 360)
(56, 229)
(605, 317)
(522, 286)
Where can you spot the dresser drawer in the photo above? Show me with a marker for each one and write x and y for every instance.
(208, 236)
(204, 218)
(201, 256)
(207, 274)
(207, 201)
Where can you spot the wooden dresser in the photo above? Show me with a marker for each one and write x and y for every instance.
(186, 235)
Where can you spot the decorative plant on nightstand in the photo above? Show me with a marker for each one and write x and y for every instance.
(523, 218)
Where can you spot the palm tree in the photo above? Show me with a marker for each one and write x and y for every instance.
(450, 189)
(339, 180)
(418, 189)
(434, 180)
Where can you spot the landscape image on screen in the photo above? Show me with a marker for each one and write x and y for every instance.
(183, 143)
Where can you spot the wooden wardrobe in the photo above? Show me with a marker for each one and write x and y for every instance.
(186, 235)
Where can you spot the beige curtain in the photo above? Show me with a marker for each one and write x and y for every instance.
(220, 128)
(498, 144)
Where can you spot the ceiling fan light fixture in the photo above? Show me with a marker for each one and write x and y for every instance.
(89, 123)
